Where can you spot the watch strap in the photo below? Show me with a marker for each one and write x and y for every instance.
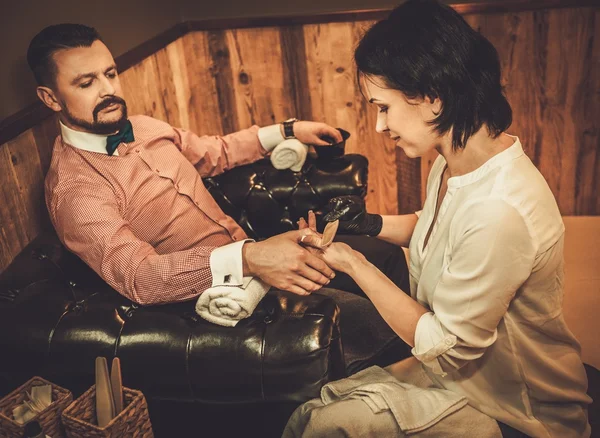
(288, 128)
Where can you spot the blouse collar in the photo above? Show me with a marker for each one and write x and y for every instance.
(512, 152)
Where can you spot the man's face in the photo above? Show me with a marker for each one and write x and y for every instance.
(88, 91)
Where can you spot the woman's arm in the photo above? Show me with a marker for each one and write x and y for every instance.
(398, 229)
(351, 211)
(397, 308)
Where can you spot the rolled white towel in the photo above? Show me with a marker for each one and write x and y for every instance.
(289, 154)
(227, 305)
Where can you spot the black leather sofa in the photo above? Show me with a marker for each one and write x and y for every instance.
(57, 316)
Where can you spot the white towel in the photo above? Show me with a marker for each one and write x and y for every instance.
(227, 305)
(289, 154)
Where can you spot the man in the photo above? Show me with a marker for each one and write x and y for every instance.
(126, 195)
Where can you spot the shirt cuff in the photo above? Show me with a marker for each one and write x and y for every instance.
(226, 265)
(270, 136)
(431, 342)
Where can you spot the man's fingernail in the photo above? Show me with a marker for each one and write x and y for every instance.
(332, 275)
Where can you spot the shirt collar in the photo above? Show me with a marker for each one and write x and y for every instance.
(509, 154)
(85, 140)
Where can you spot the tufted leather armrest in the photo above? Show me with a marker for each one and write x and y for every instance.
(57, 316)
(266, 201)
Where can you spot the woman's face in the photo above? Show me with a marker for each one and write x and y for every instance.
(403, 119)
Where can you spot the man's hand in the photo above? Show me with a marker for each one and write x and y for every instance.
(313, 133)
(353, 217)
(281, 262)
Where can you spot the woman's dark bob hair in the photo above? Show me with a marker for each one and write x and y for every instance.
(426, 50)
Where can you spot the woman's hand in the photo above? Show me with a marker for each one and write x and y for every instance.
(339, 256)
(350, 210)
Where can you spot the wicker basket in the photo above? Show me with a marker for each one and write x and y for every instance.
(49, 418)
(79, 418)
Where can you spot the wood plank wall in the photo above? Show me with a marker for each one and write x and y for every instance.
(223, 80)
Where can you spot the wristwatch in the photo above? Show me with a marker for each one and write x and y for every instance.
(288, 128)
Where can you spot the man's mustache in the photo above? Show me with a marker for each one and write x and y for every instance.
(108, 102)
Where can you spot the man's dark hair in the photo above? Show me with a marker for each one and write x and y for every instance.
(426, 50)
(54, 38)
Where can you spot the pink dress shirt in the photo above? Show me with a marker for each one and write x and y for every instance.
(142, 218)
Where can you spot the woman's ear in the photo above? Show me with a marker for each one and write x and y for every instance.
(47, 96)
(435, 104)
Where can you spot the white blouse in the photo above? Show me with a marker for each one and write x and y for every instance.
(492, 276)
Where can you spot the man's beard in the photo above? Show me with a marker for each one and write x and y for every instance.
(97, 126)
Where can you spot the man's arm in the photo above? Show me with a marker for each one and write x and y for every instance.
(88, 221)
(212, 155)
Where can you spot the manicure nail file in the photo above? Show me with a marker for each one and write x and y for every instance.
(105, 408)
(117, 385)
(329, 232)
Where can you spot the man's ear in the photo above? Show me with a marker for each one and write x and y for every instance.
(47, 96)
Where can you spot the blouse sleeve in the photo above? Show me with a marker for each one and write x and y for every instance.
(492, 255)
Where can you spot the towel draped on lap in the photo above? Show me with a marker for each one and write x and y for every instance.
(373, 403)
(289, 154)
(227, 305)
(413, 408)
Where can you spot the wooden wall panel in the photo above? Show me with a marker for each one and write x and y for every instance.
(223, 75)
(22, 210)
(218, 81)
(144, 91)
(13, 232)
(28, 177)
(328, 51)
(44, 134)
(590, 132)
(203, 105)
(336, 99)
(295, 70)
(261, 97)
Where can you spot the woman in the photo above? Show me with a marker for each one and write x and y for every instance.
(484, 313)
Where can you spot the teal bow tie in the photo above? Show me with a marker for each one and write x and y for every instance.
(125, 135)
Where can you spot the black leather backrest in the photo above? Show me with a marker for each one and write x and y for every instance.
(266, 201)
